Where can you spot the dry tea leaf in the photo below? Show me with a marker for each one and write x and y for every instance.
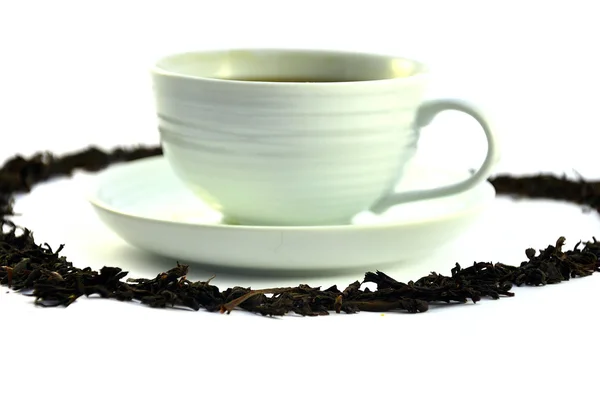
(54, 281)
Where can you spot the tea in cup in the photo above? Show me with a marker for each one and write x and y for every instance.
(299, 137)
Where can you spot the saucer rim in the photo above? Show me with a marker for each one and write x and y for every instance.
(93, 198)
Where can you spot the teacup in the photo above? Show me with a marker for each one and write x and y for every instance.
(298, 137)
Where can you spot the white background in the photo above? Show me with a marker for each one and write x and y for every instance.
(76, 73)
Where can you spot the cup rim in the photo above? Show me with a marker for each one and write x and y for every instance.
(420, 67)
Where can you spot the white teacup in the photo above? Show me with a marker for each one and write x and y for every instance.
(298, 137)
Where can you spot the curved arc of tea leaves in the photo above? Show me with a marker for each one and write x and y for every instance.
(39, 270)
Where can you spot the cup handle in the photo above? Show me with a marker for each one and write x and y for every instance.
(426, 113)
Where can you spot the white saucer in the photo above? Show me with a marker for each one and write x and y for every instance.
(148, 207)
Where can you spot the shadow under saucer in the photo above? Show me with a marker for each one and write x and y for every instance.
(141, 263)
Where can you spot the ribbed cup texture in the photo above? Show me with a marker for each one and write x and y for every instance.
(287, 154)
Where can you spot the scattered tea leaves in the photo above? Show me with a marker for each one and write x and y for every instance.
(43, 272)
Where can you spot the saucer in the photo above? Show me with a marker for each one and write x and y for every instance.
(146, 205)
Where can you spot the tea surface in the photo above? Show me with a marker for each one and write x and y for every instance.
(290, 79)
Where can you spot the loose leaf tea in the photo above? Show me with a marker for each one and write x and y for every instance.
(41, 271)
